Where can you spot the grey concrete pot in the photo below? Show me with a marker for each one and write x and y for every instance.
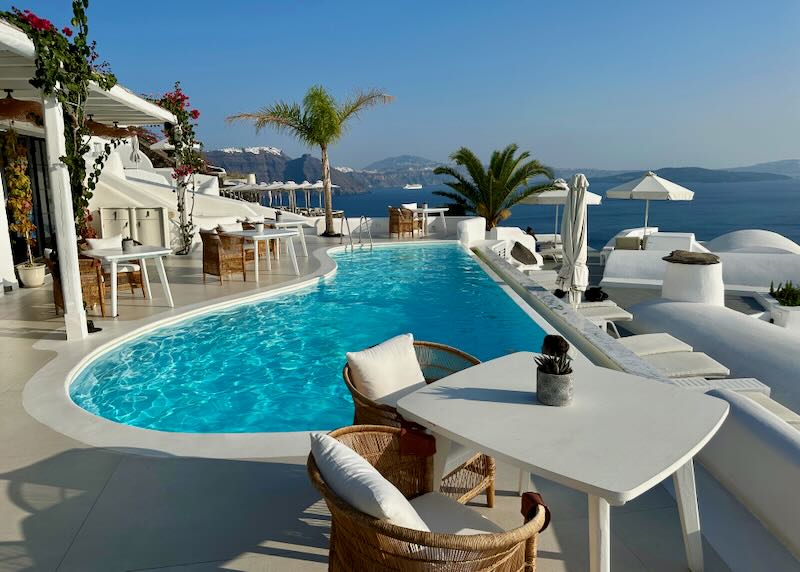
(552, 389)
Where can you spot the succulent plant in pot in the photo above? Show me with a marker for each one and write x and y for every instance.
(786, 312)
(554, 384)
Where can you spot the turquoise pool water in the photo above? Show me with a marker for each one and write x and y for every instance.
(275, 365)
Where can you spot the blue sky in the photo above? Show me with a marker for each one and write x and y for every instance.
(581, 84)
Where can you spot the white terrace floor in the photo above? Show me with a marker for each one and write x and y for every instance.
(70, 507)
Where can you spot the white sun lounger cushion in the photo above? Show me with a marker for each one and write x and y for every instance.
(387, 368)
(409, 206)
(443, 514)
(360, 484)
(650, 344)
(687, 364)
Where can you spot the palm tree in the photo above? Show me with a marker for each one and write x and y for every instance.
(492, 192)
(318, 121)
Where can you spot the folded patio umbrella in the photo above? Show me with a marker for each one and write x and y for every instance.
(573, 275)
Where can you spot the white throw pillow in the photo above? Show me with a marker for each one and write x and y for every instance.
(233, 227)
(409, 206)
(110, 242)
(360, 484)
(385, 368)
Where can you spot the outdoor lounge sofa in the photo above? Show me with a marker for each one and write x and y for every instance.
(457, 539)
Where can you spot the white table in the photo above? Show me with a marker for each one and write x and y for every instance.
(425, 211)
(140, 253)
(266, 235)
(621, 436)
(298, 225)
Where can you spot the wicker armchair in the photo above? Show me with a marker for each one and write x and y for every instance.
(476, 474)
(360, 542)
(93, 287)
(401, 222)
(223, 255)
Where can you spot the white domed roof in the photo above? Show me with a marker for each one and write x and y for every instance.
(753, 240)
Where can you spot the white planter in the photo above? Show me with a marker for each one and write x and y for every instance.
(786, 316)
(31, 276)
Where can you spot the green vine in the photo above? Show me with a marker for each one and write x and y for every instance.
(20, 192)
(66, 64)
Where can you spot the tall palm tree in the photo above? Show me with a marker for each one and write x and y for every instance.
(492, 192)
(318, 121)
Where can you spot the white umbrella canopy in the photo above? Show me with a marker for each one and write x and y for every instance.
(291, 187)
(558, 197)
(573, 275)
(648, 188)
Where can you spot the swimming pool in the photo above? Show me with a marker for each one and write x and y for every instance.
(275, 365)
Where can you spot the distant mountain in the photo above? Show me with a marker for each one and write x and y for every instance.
(788, 167)
(402, 163)
(272, 164)
(688, 175)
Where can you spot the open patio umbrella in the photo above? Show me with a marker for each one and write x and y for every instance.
(306, 187)
(558, 197)
(291, 187)
(648, 188)
(573, 275)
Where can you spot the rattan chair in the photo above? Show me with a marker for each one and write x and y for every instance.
(93, 287)
(224, 255)
(360, 542)
(476, 474)
(401, 222)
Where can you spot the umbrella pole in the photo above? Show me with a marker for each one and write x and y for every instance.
(646, 216)
(555, 228)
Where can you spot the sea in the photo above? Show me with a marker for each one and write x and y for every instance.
(717, 208)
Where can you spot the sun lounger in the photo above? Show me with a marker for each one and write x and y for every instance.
(687, 364)
(605, 316)
(650, 344)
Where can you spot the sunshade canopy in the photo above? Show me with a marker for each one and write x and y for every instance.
(651, 187)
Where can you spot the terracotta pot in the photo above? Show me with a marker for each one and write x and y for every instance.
(553, 389)
(31, 276)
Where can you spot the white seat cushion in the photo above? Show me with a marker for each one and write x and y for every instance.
(122, 267)
(386, 368)
(110, 242)
(409, 206)
(442, 514)
(232, 227)
(360, 484)
(650, 344)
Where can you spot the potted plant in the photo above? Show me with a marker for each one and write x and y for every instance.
(20, 202)
(786, 312)
(554, 385)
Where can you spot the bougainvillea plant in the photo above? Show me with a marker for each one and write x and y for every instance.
(66, 64)
(18, 186)
(188, 159)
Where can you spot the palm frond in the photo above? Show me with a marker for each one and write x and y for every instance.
(491, 191)
(359, 102)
